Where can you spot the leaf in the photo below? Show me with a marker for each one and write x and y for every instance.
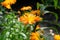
(38, 5)
(55, 14)
(55, 3)
(24, 35)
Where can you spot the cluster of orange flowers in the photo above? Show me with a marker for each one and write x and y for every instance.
(28, 18)
(8, 3)
(56, 37)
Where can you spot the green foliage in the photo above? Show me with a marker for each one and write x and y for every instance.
(1, 0)
(13, 29)
(42, 8)
(43, 11)
(55, 3)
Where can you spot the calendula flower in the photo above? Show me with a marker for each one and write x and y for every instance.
(8, 3)
(30, 18)
(26, 8)
(24, 19)
(12, 1)
(34, 36)
(56, 37)
(8, 6)
(36, 12)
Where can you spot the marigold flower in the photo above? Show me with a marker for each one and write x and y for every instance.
(29, 18)
(8, 3)
(37, 18)
(8, 6)
(34, 36)
(26, 8)
(12, 1)
(36, 12)
(56, 37)
(24, 19)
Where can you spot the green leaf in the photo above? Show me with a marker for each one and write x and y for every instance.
(55, 14)
(1, 0)
(38, 5)
(55, 3)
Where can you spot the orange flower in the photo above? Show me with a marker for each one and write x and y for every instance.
(37, 18)
(23, 19)
(26, 8)
(12, 1)
(29, 18)
(36, 12)
(56, 37)
(37, 27)
(34, 36)
(8, 6)
(8, 3)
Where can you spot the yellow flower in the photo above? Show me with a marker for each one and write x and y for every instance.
(26, 8)
(56, 37)
(8, 3)
(29, 18)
